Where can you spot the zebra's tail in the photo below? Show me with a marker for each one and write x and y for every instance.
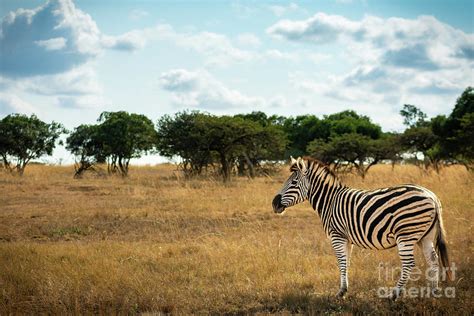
(441, 247)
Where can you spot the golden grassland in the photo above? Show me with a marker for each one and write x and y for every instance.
(155, 243)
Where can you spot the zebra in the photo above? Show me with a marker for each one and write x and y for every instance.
(402, 216)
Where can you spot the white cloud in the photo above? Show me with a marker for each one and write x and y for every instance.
(179, 80)
(381, 93)
(280, 10)
(78, 87)
(10, 103)
(199, 89)
(129, 41)
(321, 28)
(394, 61)
(277, 54)
(82, 101)
(248, 40)
(278, 102)
(48, 51)
(318, 58)
(216, 49)
(52, 43)
(76, 82)
(138, 14)
(54, 38)
(421, 43)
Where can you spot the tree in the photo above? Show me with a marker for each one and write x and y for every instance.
(465, 136)
(388, 147)
(442, 139)
(184, 135)
(353, 141)
(269, 144)
(412, 116)
(201, 139)
(347, 122)
(422, 140)
(348, 150)
(301, 130)
(124, 136)
(230, 137)
(420, 137)
(455, 131)
(464, 105)
(85, 144)
(256, 116)
(24, 138)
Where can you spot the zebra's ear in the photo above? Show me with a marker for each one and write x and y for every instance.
(302, 165)
(292, 160)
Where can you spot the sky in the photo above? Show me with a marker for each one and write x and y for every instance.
(68, 61)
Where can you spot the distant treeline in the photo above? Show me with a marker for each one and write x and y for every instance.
(247, 144)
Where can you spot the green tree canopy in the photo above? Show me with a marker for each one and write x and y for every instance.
(350, 151)
(420, 137)
(23, 138)
(184, 135)
(350, 140)
(455, 131)
(269, 145)
(413, 116)
(303, 129)
(231, 137)
(201, 139)
(85, 144)
(441, 139)
(349, 122)
(124, 136)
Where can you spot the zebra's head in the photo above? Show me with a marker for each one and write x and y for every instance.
(295, 189)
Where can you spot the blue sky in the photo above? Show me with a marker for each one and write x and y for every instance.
(69, 61)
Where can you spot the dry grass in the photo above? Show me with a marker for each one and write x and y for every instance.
(155, 243)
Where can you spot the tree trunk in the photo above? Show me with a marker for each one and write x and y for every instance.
(21, 168)
(82, 167)
(251, 166)
(393, 164)
(241, 167)
(225, 167)
(123, 166)
(6, 163)
(112, 165)
(360, 169)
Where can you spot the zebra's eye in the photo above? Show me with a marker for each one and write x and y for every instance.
(295, 181)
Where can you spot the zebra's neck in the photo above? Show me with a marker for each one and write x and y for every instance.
(324, 185)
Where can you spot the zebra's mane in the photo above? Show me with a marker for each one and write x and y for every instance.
(316, 164)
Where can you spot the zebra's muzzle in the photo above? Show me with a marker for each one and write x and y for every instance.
(277, 206)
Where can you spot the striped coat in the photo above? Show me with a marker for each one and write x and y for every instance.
(402, 216)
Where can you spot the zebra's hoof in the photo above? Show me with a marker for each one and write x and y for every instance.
(394, 296)
(341, 293)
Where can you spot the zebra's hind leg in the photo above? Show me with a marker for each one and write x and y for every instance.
(406, 253)
(427, 246)
(342, 249)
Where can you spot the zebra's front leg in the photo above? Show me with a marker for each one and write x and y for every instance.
(342, 250)
(406, 253)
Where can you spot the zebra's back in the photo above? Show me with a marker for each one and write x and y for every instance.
(375, 219)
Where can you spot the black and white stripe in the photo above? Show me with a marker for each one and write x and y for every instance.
(402, 216)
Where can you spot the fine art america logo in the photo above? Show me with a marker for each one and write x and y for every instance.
(391, 273)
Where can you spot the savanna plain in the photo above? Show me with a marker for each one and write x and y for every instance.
(155, 243)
